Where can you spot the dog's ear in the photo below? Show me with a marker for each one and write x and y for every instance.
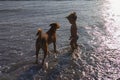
(74, 13)
(39, 32)
(54, 25)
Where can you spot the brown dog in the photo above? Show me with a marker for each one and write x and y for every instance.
(45, 39)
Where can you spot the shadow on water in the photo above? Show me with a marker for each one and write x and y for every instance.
(55, 73)
(36, 72)
(30, 73)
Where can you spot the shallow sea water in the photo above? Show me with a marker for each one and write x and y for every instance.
(99, 35)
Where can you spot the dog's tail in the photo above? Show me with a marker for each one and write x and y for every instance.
(39, 32)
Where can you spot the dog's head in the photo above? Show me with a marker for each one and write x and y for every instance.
(39, 32)
(55, 26)
(72, 17)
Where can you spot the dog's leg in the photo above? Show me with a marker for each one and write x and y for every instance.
(37, 52)
(45, 55)
(45, 49)
(54, 44)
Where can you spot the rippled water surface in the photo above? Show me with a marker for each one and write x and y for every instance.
(98, 27)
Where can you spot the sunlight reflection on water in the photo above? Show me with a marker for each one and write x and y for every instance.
(112, 23)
